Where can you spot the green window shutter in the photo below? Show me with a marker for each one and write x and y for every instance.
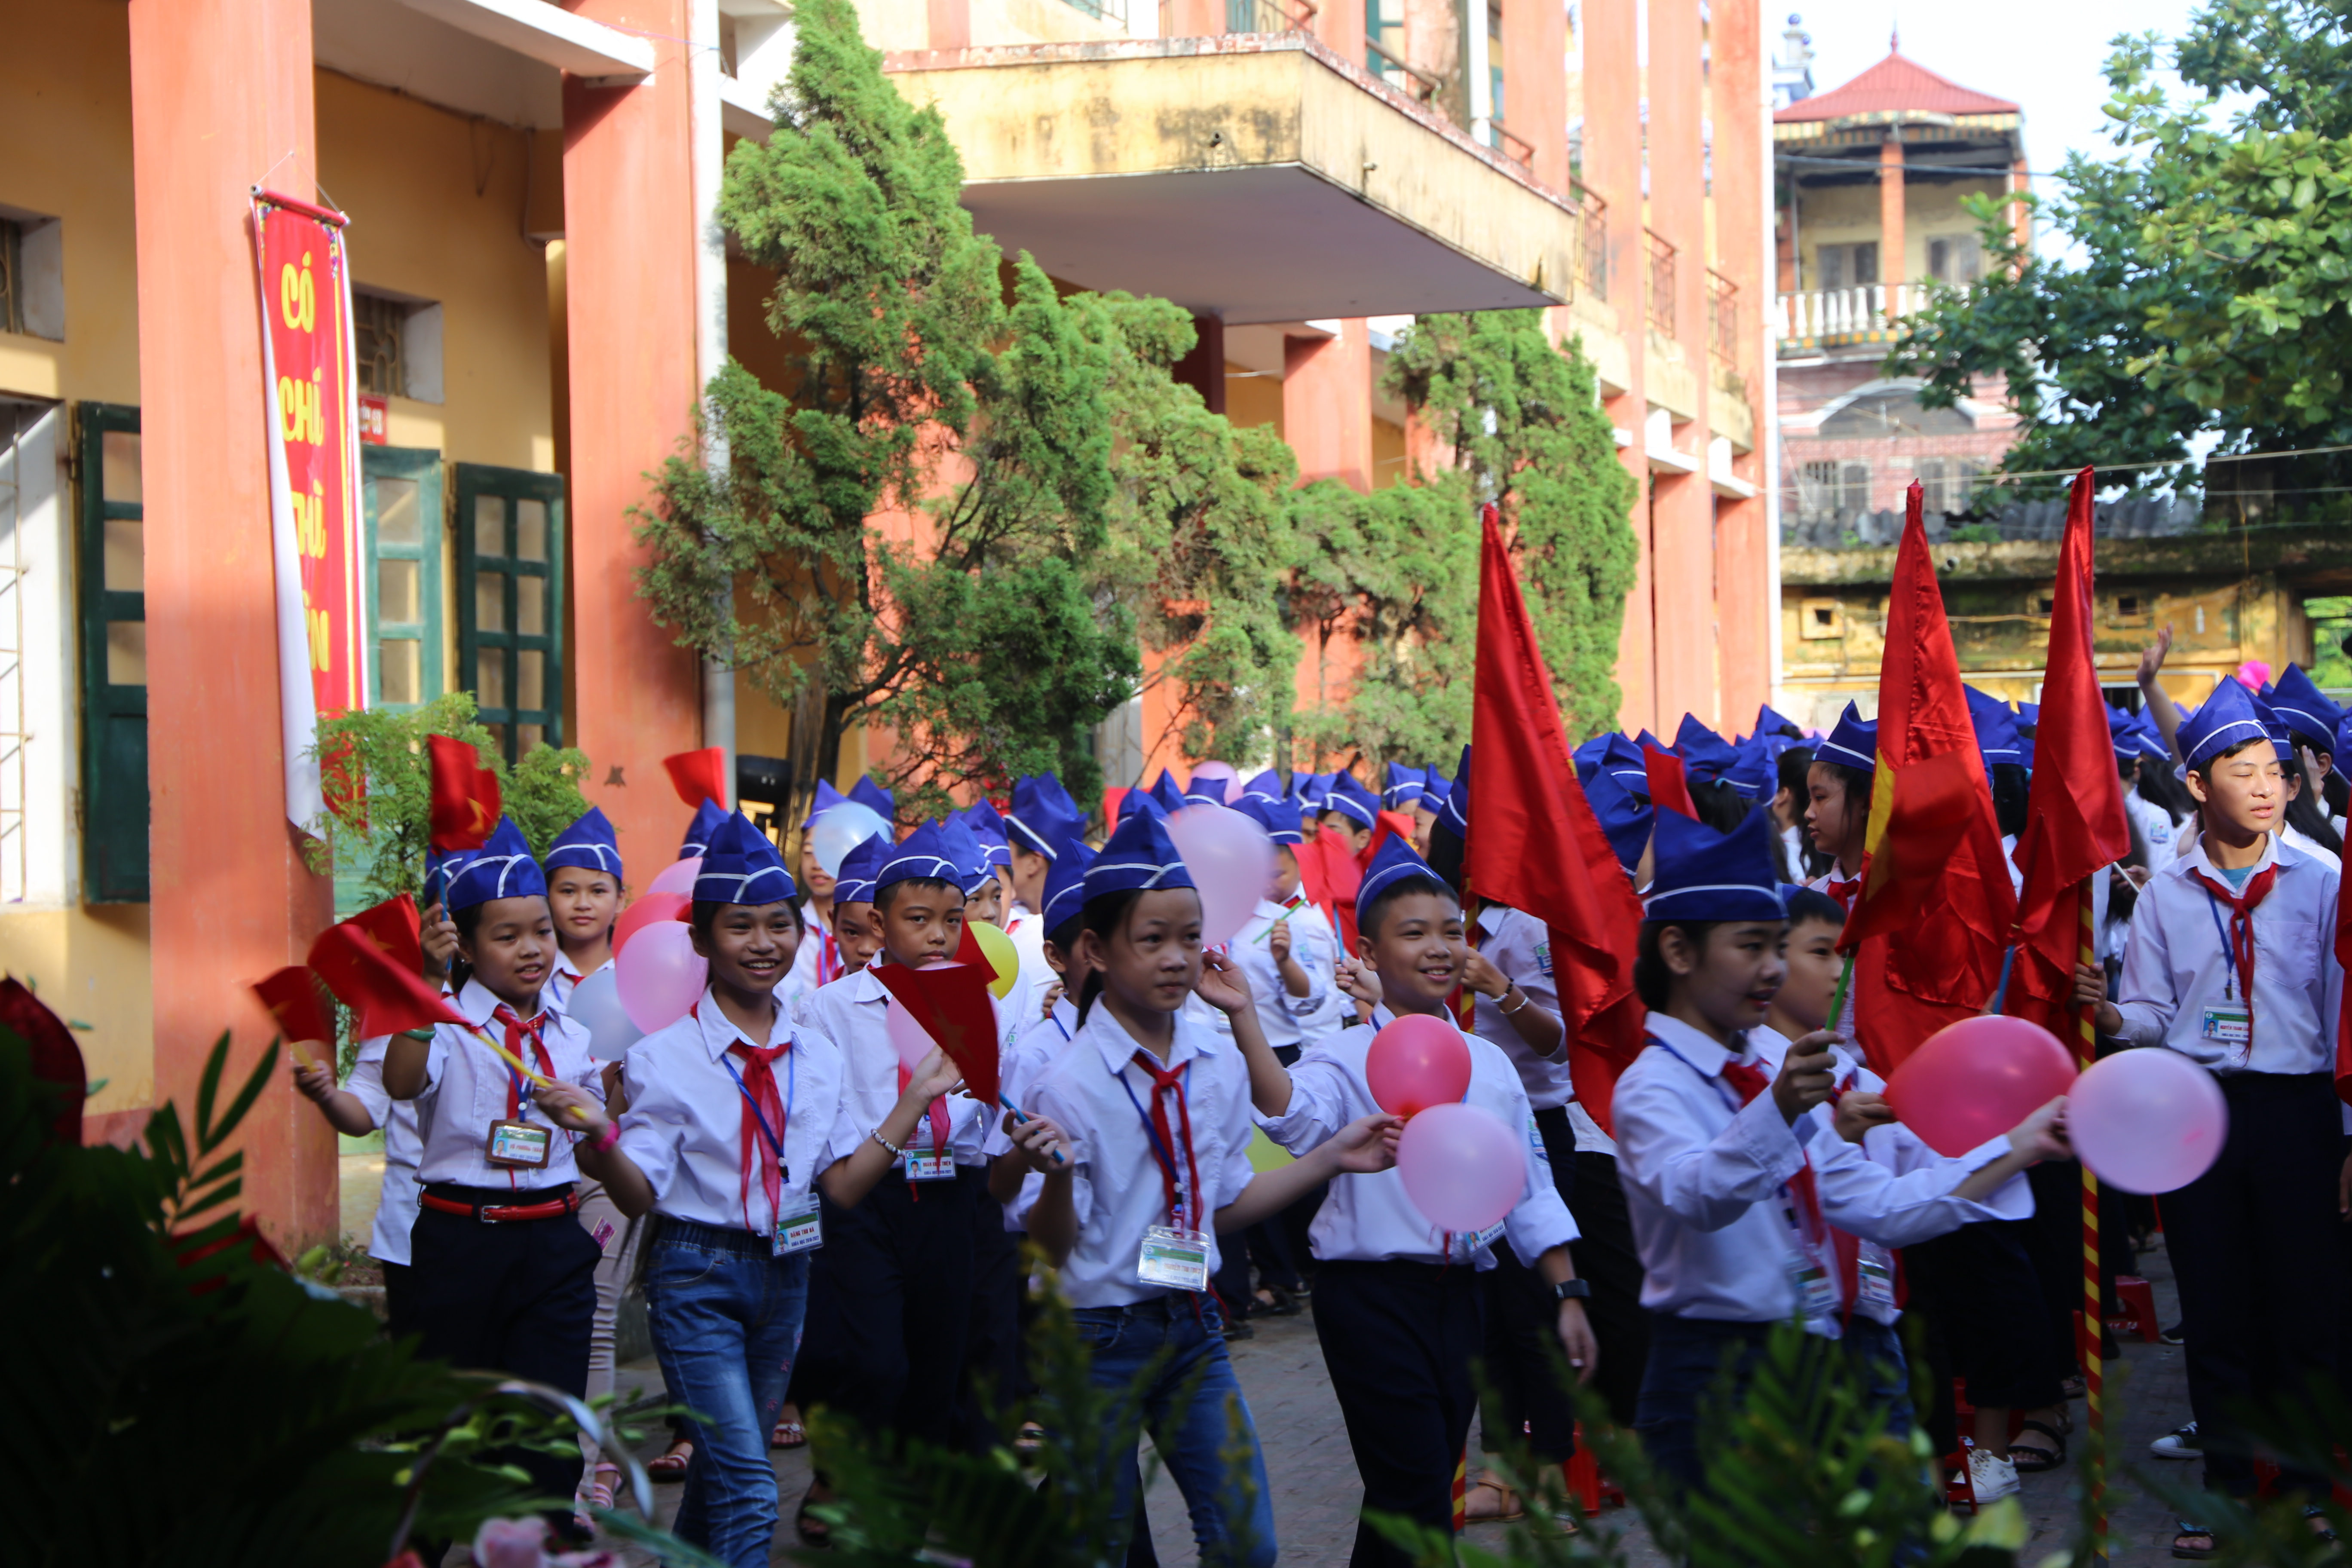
(405, 547)
(111, 574)
(511, 602)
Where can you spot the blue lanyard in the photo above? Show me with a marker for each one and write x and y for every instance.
(1160, 1152)
(792, 1089)
(1055, 1019)
(2229, 953)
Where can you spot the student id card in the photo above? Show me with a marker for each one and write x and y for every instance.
(1176, 1258)
(1478, 1241)
(802, 1231)
(518, 1145)
(2228, 1023)
(1875, 1278)
(1817, 1293)
(931, 1165)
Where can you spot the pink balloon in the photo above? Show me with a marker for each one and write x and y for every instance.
(1416, 1063)
(660, 975)
(1232, 862)
(644, 912)
(2147, 1121)
(1975, 1080)
(907, 1037)
(678, 877)
(1463, 1169)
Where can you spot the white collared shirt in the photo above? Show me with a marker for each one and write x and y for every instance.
(469, 1085)
(2296, 838)
(817, 948)
(1027, 929)
(1520, 946)
(567, 977)
(850, 1013)
(1367, 1218)
(1705, 1182)
(2155, 824)
(1287, 1020)
(684, 1128)
(1095, 1094)
(2176, 965)
(395, 1204)
(1033, 1045)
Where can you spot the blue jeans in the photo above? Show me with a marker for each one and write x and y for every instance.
(726, 1325)
(1688, 1355)
(1232, 1515)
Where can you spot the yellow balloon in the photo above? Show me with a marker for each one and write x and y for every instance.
(1002, 958)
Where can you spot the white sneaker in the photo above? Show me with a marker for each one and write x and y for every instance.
(2178, 1444)
(1992, 1477)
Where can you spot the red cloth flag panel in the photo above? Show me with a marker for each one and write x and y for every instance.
(395, 926)
(466, 800)
(1533, 844)
(698, 777)
(952, 1004)
(2075, 822)
(1937, 933)
(296, 1005)
(387, 998)
(1669, 785)
(56, 1055)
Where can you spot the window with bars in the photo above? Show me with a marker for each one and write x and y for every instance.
(403, 574)
(379, 332)
(113, 572)
(511, 602)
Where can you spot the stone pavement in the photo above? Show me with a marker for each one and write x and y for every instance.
(1316, 1491)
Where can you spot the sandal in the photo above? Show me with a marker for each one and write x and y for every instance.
(788, 1435)
(2317, 1516)
(603, 1479)
(2075, 1387)
(671, 1466)
(813, 1530)
(2031, 1460)
(2189, 1532)
(1507, 1506)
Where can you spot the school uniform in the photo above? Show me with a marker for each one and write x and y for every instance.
(817, 962)
(1398, 1305)
(2254, 1240)
(396, 1198)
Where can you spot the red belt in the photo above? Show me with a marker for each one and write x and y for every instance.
(496, 1214)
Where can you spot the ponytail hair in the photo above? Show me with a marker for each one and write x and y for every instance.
(1105, 915)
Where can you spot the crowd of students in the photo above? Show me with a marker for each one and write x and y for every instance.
(815, 1222)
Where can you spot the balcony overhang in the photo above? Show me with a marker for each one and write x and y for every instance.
(1259, 177)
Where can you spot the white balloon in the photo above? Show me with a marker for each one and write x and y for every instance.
(1232, 862)
(836, 830)
(595, 1006)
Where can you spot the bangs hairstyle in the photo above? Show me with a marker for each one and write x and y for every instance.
(1369, 918)
(1856, 781)
(1812, 904)
(1652, 978)
(705, 914)
(2204, 769)
(1105, 915)
(887, 894)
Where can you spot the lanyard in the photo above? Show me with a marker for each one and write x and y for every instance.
(792, 1088)
(2229, 948)
(1160, 1152)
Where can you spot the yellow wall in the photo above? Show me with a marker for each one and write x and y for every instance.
(1253, 399)
(1843, 215)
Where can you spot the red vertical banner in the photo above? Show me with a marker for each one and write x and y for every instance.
(311, 395)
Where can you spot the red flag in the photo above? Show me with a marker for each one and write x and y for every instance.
(699, 775)
(56, 1055)
(1926, 813)
(388, 998)
(2076, 825)
(1669, 788)
(1533, 844)
(393, 925)
(950, 1002)
(296, 1003)
(1939, 932)
(465, 803)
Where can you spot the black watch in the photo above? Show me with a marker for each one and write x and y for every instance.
(1572, 1289)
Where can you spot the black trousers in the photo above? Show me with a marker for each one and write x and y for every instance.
(399, 1317)
(890, 1308)
(515, 1298)
(1397, 1341)
(2257, 1250)
(1606, 1256)
(1523, 1387)
(1988, 1320)
(992, 1353)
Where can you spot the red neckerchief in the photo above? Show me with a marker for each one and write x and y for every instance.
(938, 1113)
(1748, 1080)
(1164, 1081)
(762, 1107)
(828, 957)
(518, 1030)
(2242, 928)
(1843, 892)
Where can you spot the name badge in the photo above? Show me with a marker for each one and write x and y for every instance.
(1534, 1139)
(1817, 1293)
(931, 1165)
(1476, 1242)
(1875, 1276)
(801, 1231)
(1176, 1258)
(2228, 1022)
(518, 1145)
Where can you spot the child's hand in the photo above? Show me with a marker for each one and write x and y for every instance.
(1859, 1111)
(1359, 982)
(1277, 940)
(1479, 975)
(314, 1084)
(1222, 985)
(1367, 1144)
(934, 1076)
(1041, 1145)
(1576, 1340)
(2043, 1135)
(2090, 985)
(1052, 994)
(570, 1106)
(2151, 658)
(438, 934)
(1805, 1076)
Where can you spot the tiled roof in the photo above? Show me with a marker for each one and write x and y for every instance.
(1894, 85)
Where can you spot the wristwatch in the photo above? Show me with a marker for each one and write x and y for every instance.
(1572, 1289)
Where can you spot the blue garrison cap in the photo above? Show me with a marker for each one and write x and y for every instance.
(1752, 773)
(1272, 785)
(2305, 709)
(1348, 797)
(970, 856)
(987, 829)
(1312, 790)
(740, 866)
(588, 845)
(1278, 818)
(1139, 858)
(1042, 815)
(1405, 787)
(1393, 862)
(1777, 726)
(1626, 818)
(866, 793)
(1139, 800)
(706, 818)
(1212, 791)
(2228, 718)
(1995, 725)
(1707, 756)
(1066, 887)
(853, 883)
(1853, 743)
(501, 868)
(1167, 791)
(1587, 757)
(826, 795)
(1455, 814)
(1703, 875)
(929, 852)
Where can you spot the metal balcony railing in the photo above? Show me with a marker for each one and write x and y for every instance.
(1591, 243)
(1723, 318)
(1661, 257)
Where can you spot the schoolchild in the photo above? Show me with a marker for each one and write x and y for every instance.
(735, 1121)
(990, 901)
(504, 1275)
(855, 927)
(708, 819)
(1735, 1190)
(818, 960)
(1154, 1124)
(1837, 817)
(1042, 818)
(2229, 963)
(1351, 811)
(583, 894)
(1035, 1041)
(356, 1110)
(889, 1310)
(1398, 1299)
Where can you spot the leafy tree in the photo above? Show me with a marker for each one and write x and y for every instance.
(915, 390)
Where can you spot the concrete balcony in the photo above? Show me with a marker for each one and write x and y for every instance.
(1823, 319)
(1259, 177)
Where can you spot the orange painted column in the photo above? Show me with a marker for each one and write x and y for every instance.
(2021, 215)
(1612, 171)
(1189, 19)
(220, 101)
(1743, 602)
(1890, 214)
(1326, 404)
(1682, 512)
(1340, 24)
(629, 224)
(1535, 88)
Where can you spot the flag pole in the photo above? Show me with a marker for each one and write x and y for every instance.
(2094, 1313)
